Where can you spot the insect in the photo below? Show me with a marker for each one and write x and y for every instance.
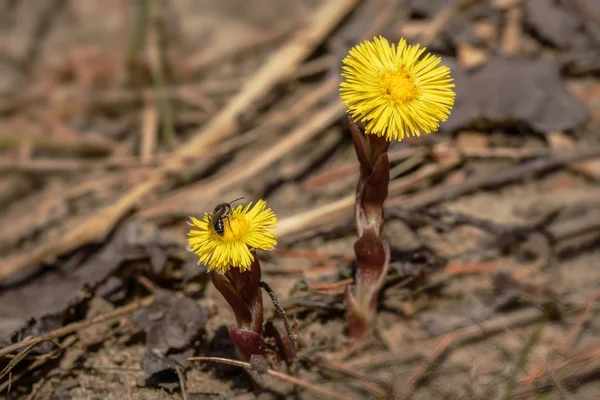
(220, 213)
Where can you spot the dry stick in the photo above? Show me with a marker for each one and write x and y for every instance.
(276, 374)
(17, 359)
(182, 383)
(282, 315)
(75, 326)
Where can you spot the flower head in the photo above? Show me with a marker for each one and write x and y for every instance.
(395, 90)
(244, 229)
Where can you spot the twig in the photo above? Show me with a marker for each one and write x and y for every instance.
(13, 378)
(276, 374)
(17, 359)
(182, 383)
(421, 370)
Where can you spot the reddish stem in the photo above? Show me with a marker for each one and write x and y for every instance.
(372, 253)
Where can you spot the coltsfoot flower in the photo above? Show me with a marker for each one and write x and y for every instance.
(394, 90)
(245, 229)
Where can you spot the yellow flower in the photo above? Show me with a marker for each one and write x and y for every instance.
(394, 90)
(245, 229)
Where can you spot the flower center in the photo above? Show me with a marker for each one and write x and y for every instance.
(235, 227)
(398, 86)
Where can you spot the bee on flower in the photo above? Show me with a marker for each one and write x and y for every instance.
(230, 246)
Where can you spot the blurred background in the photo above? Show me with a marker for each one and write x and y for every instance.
(120, 119)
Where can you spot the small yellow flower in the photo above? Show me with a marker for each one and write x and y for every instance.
(395, 91)
(245, 229)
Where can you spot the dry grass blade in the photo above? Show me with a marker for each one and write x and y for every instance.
(307, 385)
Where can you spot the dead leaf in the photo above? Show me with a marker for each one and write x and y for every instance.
(555, 24)
(514, 91)
(171, 322)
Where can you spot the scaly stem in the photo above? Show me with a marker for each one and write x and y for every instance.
(372, 253)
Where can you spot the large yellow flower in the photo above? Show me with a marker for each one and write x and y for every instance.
(245, 229)
(395, 91)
